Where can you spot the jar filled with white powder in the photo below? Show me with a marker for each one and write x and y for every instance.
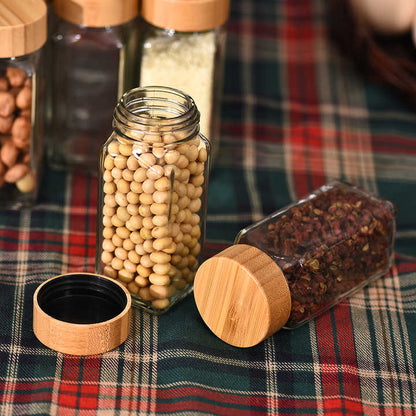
(182, 46)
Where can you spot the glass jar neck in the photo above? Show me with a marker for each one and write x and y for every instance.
(156, 31)
(155, 110)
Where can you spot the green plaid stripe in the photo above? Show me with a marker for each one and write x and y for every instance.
(294, 115)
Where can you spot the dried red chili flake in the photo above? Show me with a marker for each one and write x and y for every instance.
(328, 245)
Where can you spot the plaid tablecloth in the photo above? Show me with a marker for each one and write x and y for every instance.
(295, 115)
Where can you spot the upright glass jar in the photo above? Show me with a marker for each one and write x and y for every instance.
(152, 196)
(182, 46)
(51, 18)
(21, 100)
(296, 263)
(94, 53)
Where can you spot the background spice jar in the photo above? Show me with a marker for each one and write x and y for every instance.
(296, 263)
(94, 47)
(47, 58)
(21, 100)
(182, 46)
(152, 200)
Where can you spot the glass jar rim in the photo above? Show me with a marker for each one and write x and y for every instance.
(140, 110)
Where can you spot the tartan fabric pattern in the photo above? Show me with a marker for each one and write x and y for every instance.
(294, 116)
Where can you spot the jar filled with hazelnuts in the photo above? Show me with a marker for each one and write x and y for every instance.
(22, 36)
(152, 196)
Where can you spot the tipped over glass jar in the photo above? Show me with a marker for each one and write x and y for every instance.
(296, 263)
(152, 197)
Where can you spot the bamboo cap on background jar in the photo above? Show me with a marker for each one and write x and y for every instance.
(23, 27)
(242, 295)
(97, 13)
(81, 313)
(186, 15)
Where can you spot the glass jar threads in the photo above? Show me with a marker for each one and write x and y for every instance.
(182, 46)
(94, 54)
(296, 263)
(152, 196)
(21, 100)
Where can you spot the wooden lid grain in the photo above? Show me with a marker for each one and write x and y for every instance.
(97, 13)
(242, 295)
(61, 330)
(23, 27)
(186, 15)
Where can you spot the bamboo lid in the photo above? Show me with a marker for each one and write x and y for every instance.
(97, 13)
(242, 295)
(22, 27)
(186, 15)
(81, 313)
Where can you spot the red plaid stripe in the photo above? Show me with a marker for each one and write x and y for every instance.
(294, 117)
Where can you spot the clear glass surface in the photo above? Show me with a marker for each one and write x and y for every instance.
(328, 245)
(191, 62)
(152, 197)
(21, 129)
(92, 68)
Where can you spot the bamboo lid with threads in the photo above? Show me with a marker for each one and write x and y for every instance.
(81, 313)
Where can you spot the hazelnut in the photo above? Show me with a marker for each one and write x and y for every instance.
(7, 104)
(9, 153)
(16, 76)
(6, 124)
(16, 172)
(4, 84)
(21, 129)
(24, 98)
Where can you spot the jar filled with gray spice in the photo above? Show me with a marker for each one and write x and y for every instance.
(182, 46)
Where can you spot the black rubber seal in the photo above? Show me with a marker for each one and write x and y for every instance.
(82, 299)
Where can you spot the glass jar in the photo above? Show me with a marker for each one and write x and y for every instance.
(296, 263)
(94, 53)
(21, 102)
(51, 18)
(182, 46)
(152, 197)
